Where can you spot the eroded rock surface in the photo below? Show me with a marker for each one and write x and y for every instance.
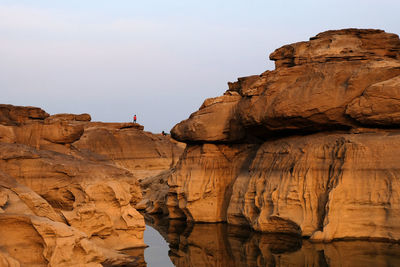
(71, 186)
(34, 234)
(92, 197)
(312, 93)
(309, 148)
(203, 180)
(14, 115)
(344, 185)
(149, 157)
(155, 190)
(143, 153)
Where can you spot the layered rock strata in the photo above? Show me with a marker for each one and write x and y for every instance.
(149, 157)
(143, 153)
(70, 185)
(92, 197)
(34, 234)
(309, 148)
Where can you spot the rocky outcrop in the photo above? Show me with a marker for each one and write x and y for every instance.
(203, 181)
(378, 105)
(309, 148)
(155, 190)
(327, 186)
(92, 197)
(149, 157)
(314, 93)
(203, 125)
(143, 153)
(71, 186)
(14, 115)
(339, 46)
(69, 117)
(46, 133)
(34, 234)
(124, 144)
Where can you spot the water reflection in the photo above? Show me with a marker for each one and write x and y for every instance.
(223, 245)
(157, 252)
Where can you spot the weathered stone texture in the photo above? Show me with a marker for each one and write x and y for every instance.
(71, 186)
(323, 131)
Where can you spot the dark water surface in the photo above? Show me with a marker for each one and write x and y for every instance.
(177, 244)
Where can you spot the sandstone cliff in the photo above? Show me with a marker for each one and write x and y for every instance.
(149, 157)
(34, 234)
(310, 148)
(71, 186)
(143, 153)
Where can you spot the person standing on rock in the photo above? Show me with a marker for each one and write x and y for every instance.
(134, 118)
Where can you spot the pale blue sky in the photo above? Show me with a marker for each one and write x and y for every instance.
(156, 59)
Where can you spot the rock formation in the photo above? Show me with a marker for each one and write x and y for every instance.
(68, 187)
(155, 190)
(34, 234)
(149, 157)
(310, 148)
(143, 153)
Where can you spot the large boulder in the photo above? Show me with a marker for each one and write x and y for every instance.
(84, 117)
(337, 46)
(204, 125)
(12, 115)
(379, 104)
(316, 86)
(34, 127)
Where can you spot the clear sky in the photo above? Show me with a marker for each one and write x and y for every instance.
(157, 59)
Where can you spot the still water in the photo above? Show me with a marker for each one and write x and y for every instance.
(157, 252)
(173, 243)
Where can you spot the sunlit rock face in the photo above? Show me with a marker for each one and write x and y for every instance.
(309, 148)
(143, 153)
(41, 133)
(70, 186)
(33, 233)
(327, 82)
(203, 180)
(149, 157)
(14, 115)
(325, 186)
(125, 145)
(96, 199)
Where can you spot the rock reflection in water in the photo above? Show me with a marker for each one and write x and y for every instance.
(225, 245)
